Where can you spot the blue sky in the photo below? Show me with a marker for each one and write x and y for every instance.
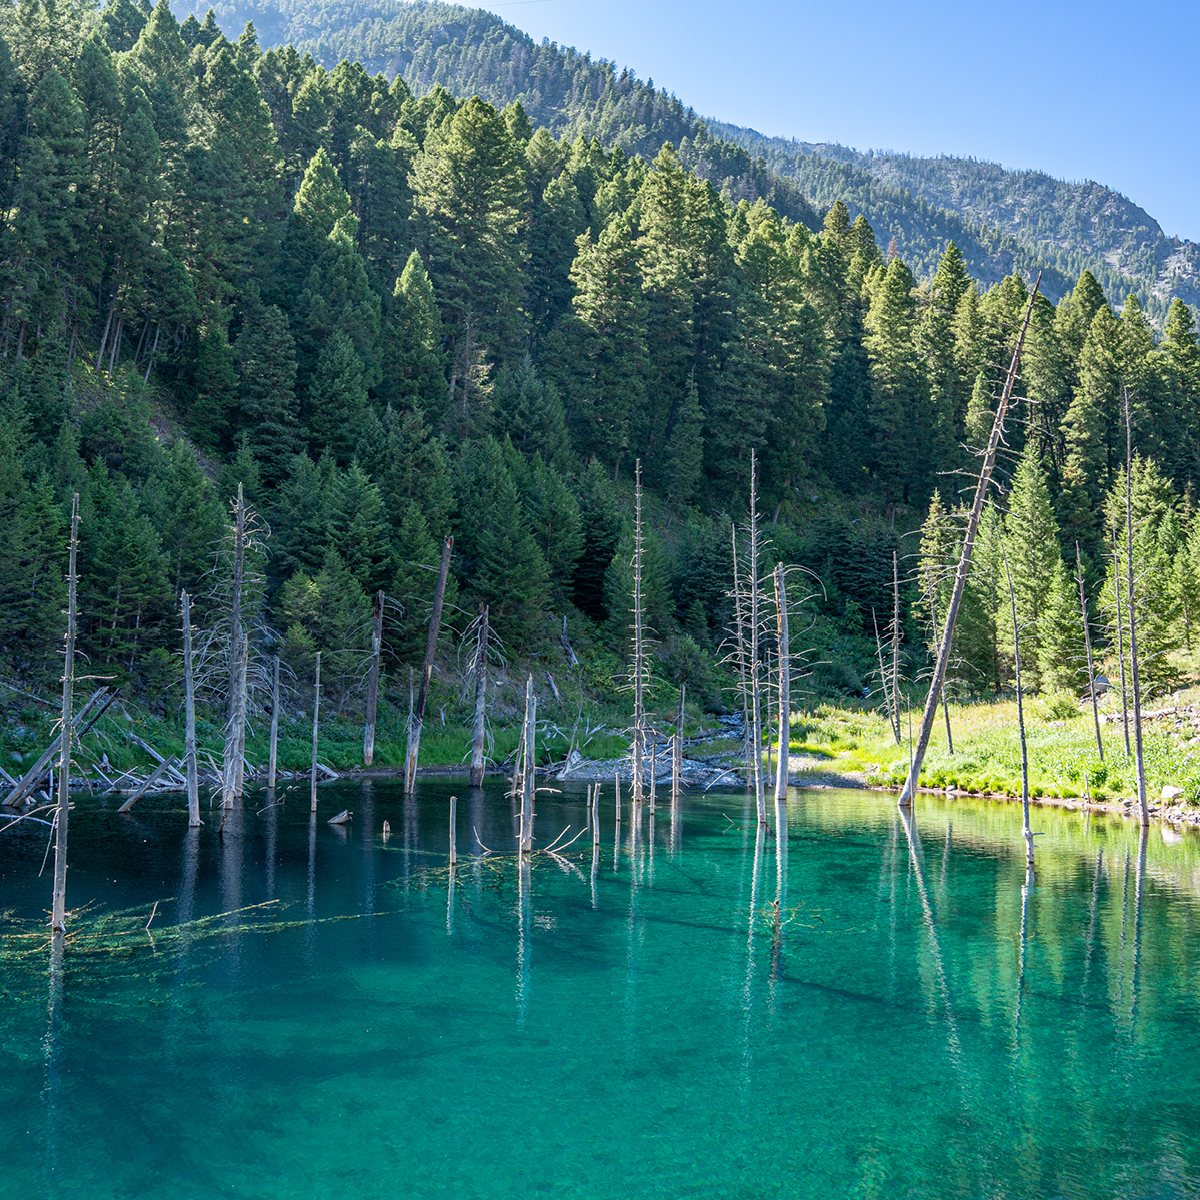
(1081, 90)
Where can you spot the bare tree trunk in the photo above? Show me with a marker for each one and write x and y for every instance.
(1130, 595)
(240, 719)
(896, 639)
(892, 715)
(1087, 641)
(528, 780)
(435, 624)
(964, 561)
(480, 730)
(743, 665)
(230, 773)
(58, 916)
(1026, 831)
(639, 714)
(373, 681)
(1121, 641)
(153, 351)
(189, 716)
(677, 749)
(945, 701)
(273, 755)
(783, 756)
(755, 698)
(312, 774)
(453, 830)
(596, 821)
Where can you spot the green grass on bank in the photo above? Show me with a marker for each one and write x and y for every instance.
(1063, 759)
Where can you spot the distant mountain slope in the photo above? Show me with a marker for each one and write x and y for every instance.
(1069, 225)
(1001, 220)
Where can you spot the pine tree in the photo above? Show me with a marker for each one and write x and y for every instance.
(898, 389)
(685, 450)
(531, 413)
(358, 528)
(335, 410)
(267, 409)
(599, 357)
(555, 521)
(557, 221)
(414, 366)
(470, 186)
(1034, 561)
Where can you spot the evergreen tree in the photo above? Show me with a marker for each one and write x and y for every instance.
(414, 366)
(267, 407)
(336, 408)
(531, 414)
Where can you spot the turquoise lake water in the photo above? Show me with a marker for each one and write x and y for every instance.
(915, 1019)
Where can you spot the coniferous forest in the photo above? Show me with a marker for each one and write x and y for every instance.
(393, 317)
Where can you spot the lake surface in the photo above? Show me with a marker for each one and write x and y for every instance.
(913, 1019)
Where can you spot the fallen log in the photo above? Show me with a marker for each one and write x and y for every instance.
(35, 773)
(147, 784)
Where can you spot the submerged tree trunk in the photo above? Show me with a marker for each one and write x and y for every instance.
(964, 561)
(418, 716)
(58, 914)
(677, 749)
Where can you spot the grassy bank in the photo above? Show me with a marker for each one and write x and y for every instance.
(1063, 759)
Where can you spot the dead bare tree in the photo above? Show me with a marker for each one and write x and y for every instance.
(784, 668)
(479, 666)
(755, 653)
(312, 775)
(1120, 639)
(1025, 829)
(189, 718)
(1087, 641)
(417, 718)
(58, 916)
(373, 681)
(964, 561)
(638, 748)
(1139, 756)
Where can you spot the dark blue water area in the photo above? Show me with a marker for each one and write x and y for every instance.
(867, 1007)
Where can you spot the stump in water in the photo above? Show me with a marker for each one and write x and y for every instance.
(639, 651)
(58, 914)
(677, 749)
(755, 652)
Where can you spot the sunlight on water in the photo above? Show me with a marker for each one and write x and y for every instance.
(877, 1011)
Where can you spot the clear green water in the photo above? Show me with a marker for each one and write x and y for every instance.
(916, 1023)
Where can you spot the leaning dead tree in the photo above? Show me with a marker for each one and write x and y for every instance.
(58, 916)
(413, 748)
(964, 561)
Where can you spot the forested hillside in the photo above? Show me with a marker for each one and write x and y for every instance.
(393, 317)
(1070, 226)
